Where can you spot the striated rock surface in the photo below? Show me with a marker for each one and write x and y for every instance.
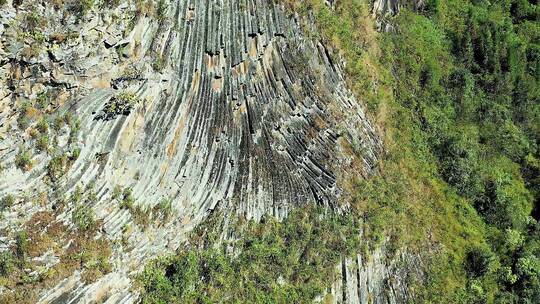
(375, 279)
(383, 8)
(197, 103)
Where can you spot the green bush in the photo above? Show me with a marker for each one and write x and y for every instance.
(81, 7)
(160, 10)
(23, 160)
(505, 201)
(478, 261)
(21, 245)
(164, 207)
(117, 192)
(7, 263)
(43, 126)
(83, 217)
(276, 262)
(58, 123)
(42, 143)
(111, 3)
(75, 153)
(57, 167)
(6, 202)
(127, 199)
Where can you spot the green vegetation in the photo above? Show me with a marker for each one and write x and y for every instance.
(21, 246)
(126, 97)
(276, 262)
(43, 100)
(83, 215)
(111, 3)
(127, 201)
(43, 125)
(159, 214)
(81, 7)
(23, 160)
(26, 115)
(6, 202)
(455, 88)
(117, 192)
(163, 209)
(31, 27)
(121, 104)
(468, 74)
(74, 127)
(159, 63)
(56, 168)
(160, 10)
(24, 278)
(58, 123)
(6, 263)
(42, 143)
(60, 164)
(44, 129)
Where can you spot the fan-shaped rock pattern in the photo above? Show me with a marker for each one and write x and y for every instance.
(222, 102)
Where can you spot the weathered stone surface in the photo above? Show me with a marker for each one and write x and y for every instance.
(375, 279)
(382, 8)
(236, 107)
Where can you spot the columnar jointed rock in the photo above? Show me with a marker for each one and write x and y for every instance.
(375, 279)
(234, 106)
(382, 8)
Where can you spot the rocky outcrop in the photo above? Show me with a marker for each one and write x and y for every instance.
(373, 279)
(200, 103)
(384, 8)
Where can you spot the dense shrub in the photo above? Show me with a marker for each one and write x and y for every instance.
(23, 160)
(6, 202)
(276, 262)
(83, 217)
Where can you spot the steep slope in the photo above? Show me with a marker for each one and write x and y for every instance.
(170, 108)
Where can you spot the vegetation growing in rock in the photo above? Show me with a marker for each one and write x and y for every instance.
(163, 210)
(80, 7)
(125, 197)
(159, 63)
(56, 168)
(273, 262)
(6, 202)
(455, 87)
(83, 215)
(23, 159)
(42, 143)
(160, 213)
(24, 277)
(121, 104)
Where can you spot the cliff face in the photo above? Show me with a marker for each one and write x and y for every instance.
(374, 280)
(388, 8)
(192, 103)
